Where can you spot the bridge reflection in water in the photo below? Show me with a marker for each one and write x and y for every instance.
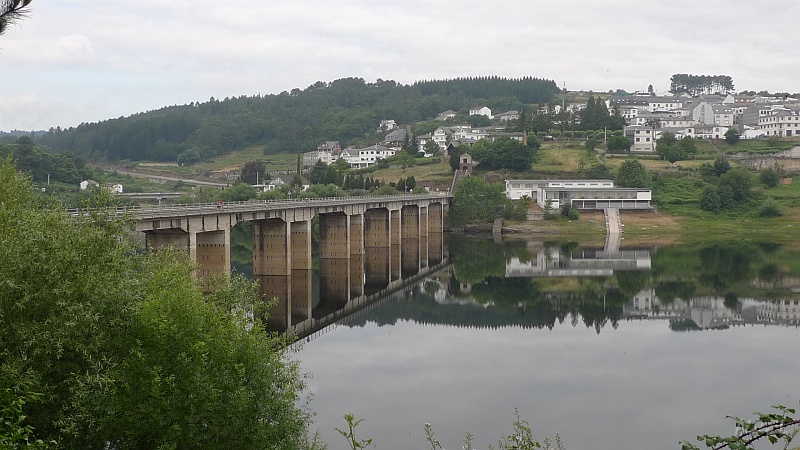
(362, 259)
(366, 245)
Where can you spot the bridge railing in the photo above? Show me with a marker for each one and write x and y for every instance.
(243, 205)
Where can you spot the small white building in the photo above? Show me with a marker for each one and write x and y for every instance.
(86, 184)
(643, 138)
(481, 111)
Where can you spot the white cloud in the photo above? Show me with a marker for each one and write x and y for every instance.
(155, 53)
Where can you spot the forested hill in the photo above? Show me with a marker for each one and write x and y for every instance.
(344, 110)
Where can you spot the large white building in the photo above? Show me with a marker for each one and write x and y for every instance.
(365, 157)
(579, 194)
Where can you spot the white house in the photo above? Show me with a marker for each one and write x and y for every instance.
(387, 125)
(449, 114)
(643, 138)
(365, 157)
(508, 116)
(481, 111)
(85, 184)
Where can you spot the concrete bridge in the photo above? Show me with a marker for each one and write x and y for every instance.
(365, 243)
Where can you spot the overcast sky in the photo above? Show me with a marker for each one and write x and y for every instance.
(89, 60)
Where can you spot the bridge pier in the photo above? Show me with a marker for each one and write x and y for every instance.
(410, 241)
(334, 255)
(377, 249)
(435, 233)
(357, 251)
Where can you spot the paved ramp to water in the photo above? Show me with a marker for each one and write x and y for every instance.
(613, 229)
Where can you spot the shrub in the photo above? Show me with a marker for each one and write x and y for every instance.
(770, 209)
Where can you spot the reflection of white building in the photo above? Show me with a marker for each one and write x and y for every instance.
(711, 312)
(550, 262)
(580, 194)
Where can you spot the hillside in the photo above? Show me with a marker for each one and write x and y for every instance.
(347, 110)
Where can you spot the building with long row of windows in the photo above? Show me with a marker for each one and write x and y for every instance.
(579, 194)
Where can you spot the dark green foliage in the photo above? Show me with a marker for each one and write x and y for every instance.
(710, 201)
(769, 209)
(740, 181)
(632, 174)
(568, 212)
(719, 168)
(672, 149)
(101, 346)
(526, 90)
(476, 202)
(700, 84)
(504, 153)
(254, 172)
(346, 110)
(599, 172)
(618, 144)
(595, 116)
(732, 136)
(770, 177)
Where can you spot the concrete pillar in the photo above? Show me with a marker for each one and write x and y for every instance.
(212, 253)
(271, 244)
(410, 230)
(334, 252)
(394, 239)
(435, 234)
(272, 268)
(301, 300)
(377, 227)
(423, 236)
(177, 239)
(356, 255)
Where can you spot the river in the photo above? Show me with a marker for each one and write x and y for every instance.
(631, 349)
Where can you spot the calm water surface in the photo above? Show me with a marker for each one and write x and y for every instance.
(652, 348)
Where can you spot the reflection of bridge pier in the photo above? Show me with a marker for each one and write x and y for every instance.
(377, 234)
(366, 245)
(334, 261)
(410, 241)
(435, 231)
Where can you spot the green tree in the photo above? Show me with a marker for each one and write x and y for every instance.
(254, 172)
(732, 136)
(104, 345)
(740, 182)
(770, 177)
(633, 174)
(475, 201)
(618, 144)
(709, 200)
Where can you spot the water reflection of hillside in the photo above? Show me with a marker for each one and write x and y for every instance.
(540, 285)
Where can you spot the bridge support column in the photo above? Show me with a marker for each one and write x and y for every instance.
(156, 240)
(435, 234)
(395, 239)
(272, 263)
(377, 239)
(357, 251)
(334, 266)
(410, 241)
(423, 236)
(212, 252)
(300, 242)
